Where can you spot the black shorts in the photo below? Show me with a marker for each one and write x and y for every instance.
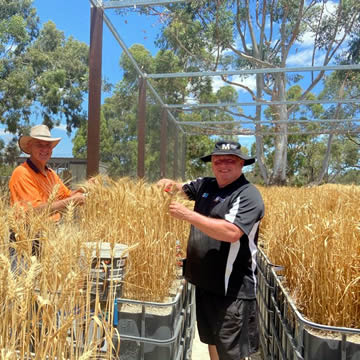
(229, 323)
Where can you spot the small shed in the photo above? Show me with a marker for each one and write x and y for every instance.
(71, 170)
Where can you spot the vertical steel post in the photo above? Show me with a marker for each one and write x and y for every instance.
(163, 143)
(183, 156)
(95, 59)
(176, 156)
(141, 128)
(343, 347)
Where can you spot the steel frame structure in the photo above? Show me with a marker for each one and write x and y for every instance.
(98, 16)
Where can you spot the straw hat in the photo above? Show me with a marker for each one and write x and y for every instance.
(229, 148)
(40, 132)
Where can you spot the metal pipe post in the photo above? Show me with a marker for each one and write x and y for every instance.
(163, 143)
(141, 128)
(94, 106)
(176, 155)
(183, 156)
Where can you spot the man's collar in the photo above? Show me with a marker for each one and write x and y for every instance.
(33, 166)
(240, 181)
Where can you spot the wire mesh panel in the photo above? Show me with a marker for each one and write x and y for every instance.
(264, 114)
(285, 334)
(164, 147)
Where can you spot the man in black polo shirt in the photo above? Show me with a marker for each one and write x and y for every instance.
(221, 251)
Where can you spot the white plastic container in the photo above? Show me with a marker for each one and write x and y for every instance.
(107, 268)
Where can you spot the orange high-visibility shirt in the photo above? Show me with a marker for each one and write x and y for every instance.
(29, 187)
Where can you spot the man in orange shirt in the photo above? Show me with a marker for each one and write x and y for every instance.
(32, 183)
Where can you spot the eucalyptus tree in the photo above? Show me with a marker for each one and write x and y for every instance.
(43, 75)
(342, 85)
(314, 159)
(19, 26)
(248, 34)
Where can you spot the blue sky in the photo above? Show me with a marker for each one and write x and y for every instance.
(73, 18)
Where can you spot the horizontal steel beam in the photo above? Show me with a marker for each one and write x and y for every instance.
(247, 132)
(222, 132)
(259, 122)
(265, 102)
(135, 3)
(254, 71)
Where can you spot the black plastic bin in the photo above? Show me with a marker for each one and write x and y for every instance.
(154, 331)
(285, 334)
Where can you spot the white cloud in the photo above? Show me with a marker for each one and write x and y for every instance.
(307, 39)
(6, 136)
(190, 100)
(331, 7)
(300, 58)
(304, 58)
(217, 83)
(249, 81)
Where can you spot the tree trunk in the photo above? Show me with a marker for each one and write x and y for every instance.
(278, 176)
(259, 139)
(326, 159)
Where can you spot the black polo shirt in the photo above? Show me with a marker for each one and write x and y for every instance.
(217, 266)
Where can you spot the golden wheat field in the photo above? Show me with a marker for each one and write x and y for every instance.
(45, 305)
(313, 232)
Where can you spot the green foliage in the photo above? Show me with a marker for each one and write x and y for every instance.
(354, 49)
(8, 156)
(119, 115)
(198, 146)
(206, 35)
(18, 27)
(307, 151)
(42, 74)
(172, 89)
(144, 60)
(227, 94)
(351, 176)
(240, 34)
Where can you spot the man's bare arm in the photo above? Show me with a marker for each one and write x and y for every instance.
(58, 205)
(218, 229)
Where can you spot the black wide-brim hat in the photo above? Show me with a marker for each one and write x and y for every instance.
(229, 148)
